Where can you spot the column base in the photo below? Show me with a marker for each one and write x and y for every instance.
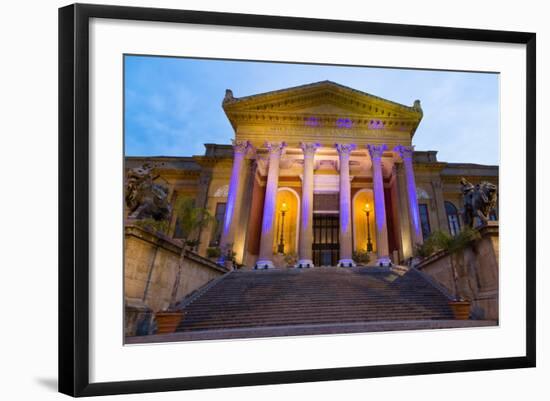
(264, 264)
(346, 263)
(384, 261)
(304, 263)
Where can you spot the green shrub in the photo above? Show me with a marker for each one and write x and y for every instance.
(361, 257)
(441, 241)
(290, 259)
(213, 252)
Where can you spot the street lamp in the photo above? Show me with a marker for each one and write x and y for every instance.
(281, 246)
(366, 209)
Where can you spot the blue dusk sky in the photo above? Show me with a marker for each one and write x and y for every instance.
(173, 105)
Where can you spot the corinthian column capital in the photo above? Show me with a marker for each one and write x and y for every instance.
(344, 148)
(406, 152)
(275, 148)
(376, 151)
(309, 148)
(240, 147)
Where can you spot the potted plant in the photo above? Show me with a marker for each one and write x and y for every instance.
(460, 308)
(362, 258)
(168, 321)
(290, 259)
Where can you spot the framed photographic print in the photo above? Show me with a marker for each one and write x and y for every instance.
(250, 199)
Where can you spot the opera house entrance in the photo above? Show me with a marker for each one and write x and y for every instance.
(325, 239)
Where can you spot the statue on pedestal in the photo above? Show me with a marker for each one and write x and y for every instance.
(144, 198)
(479, 201)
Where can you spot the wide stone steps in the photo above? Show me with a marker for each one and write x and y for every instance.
(367, 303)
(282, 297)
(271, 323)
(316, 310)
(312, 319)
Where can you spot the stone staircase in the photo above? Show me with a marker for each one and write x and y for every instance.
(293, 297)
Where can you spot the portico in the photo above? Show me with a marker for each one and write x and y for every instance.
(326, 142)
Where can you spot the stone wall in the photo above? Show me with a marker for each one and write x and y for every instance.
(151, 266)
(477, 272)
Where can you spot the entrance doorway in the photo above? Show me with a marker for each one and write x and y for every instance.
(326, 248)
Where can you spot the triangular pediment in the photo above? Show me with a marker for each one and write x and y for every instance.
(323, 106)
(320, 98)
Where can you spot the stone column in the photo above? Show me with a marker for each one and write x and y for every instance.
(406, 153)
(376, 152)
(276, 150)
(234, 196)
(306, 210)
(346, 248)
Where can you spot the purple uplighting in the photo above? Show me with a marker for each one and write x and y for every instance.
(413, 203)
(344, 123)
(313, 121)
(376, 124)
(345, 217)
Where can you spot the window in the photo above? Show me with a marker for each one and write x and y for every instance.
(452, 218)
(424, 220)
(217, 233)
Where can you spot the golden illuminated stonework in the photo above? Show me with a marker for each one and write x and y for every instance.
(324, 151)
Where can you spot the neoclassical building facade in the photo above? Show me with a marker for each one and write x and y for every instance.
(315, 175)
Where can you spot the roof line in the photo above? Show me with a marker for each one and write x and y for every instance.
(318, 83)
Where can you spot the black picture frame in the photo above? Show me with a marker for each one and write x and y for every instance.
(74, 198)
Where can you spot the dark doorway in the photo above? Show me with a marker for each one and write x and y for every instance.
(326, 248)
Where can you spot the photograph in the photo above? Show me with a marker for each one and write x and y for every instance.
(267, 198)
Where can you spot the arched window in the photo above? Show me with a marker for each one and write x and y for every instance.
(452, 218)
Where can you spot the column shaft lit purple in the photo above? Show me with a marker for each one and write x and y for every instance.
(346, 248)
(382, 248)
(228, 230)
(306, 211)
(406, 153)
(266, 241)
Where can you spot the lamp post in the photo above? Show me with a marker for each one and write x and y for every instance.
(281, 246)
(366, 209)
